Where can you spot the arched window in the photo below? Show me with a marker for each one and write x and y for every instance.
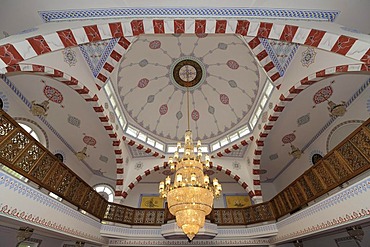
(30, 131)
(34, 130)
(106, 191)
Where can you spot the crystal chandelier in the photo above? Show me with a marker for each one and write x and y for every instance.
(190, 197)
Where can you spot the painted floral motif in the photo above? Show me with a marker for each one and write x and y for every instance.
(195, 115)
(155, 44)
(70, 56)
(308, 57)
(53, 94)
(303, 120)
(89, 140)
(232, 64)
(322, 95)
(163, 109)
(224, 99)
(288, 138)
(143, 83)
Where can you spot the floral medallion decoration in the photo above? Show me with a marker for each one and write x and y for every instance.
(224, 99)
(288, 138)
(74, 121)
(195, 115)
(139, 165)
(303, 119)
(335, 109)
(69, 56)
(232, 64)
(155, 44)
(143, 83)
(52, 94)
(163, 109)
(308, 57)
(322, 95)
(89, 141)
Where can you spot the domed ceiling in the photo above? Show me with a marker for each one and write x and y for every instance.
(219, 71)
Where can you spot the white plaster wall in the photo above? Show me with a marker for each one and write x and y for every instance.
(268, 191)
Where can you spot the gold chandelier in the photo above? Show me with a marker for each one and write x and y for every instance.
(190, 197)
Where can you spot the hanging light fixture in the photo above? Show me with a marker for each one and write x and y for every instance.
(190, 196)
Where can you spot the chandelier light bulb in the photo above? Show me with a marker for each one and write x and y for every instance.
(168, 180)
(161, 185)
(215, 182)
(206, 179)
(193, 177)
(179, 178)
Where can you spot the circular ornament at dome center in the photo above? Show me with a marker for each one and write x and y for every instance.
(187, 72)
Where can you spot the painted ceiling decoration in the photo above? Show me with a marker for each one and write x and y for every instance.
(96, 53)
(308, 57)
(215, 68)
(69, 56)
(89, 141)
(52, 94)
(323, 95)
(73, 14)
(280, 52)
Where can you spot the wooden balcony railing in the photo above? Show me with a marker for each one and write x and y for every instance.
(20, 152)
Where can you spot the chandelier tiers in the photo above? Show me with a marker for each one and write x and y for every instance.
(190, 197)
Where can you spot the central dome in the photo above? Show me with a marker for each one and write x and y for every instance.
(219, 71)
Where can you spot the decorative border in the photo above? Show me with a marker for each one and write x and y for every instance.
(212, 242)
(77, 14)
(274, 58)
(107, 51)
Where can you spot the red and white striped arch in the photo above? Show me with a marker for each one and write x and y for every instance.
(18, 51)
(89, 97)
(147, 172)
